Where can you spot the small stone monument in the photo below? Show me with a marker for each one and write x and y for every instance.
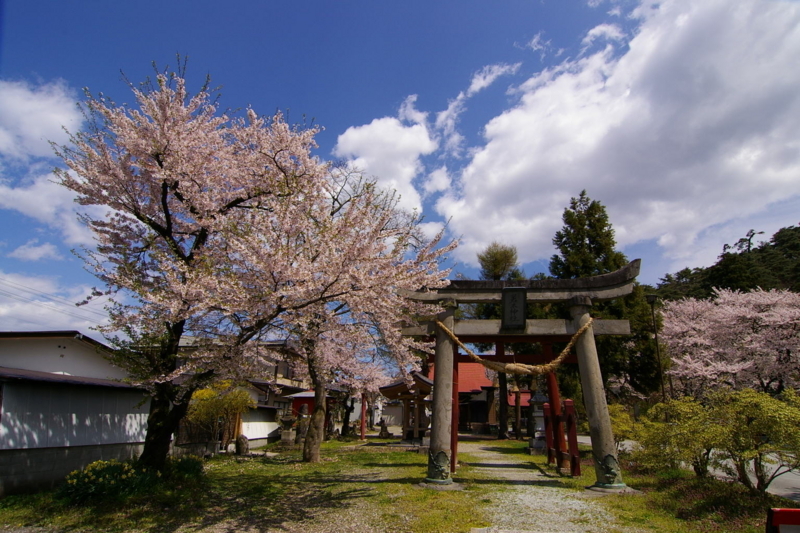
(384, 434)
(287, 429)
(303, 420)
(242, 445)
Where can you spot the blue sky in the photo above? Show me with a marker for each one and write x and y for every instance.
(682, 117)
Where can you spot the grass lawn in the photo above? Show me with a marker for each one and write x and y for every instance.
(375, 488)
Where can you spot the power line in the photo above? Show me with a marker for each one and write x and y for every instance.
(41, 304)
(55, 299)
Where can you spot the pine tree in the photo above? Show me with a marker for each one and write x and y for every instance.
(586, 242)
(587, 247)
(499, 261)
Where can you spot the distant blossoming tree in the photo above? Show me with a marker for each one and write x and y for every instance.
(228, 231)
(736, 339)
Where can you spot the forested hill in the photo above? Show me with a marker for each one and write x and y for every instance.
(745, 265)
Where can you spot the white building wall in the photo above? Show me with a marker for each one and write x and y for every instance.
(39, 415)
(57, 355)
(259, 423)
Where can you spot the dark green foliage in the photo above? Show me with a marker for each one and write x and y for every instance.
(686, 283)
(586, 243)
(743, 266)
(632, 359)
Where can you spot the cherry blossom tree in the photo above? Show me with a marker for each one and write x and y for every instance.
(736, 339)
(225, 232)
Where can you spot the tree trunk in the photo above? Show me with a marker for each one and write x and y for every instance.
(316, 428)
(502, 419)
(741, 471)
(162, 422)
(700, 463)
(762, 477)
(371, 415)
(348, 411)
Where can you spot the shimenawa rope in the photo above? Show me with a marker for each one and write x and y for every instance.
(519, 368)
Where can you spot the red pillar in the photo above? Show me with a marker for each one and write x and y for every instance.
(562, 459)
(454, 429)
(363, 416)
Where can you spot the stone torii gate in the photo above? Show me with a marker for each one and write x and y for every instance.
(579, 295)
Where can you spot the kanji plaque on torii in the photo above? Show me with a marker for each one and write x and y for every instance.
(578, 294)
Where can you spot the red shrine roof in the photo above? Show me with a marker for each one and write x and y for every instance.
(471, 377)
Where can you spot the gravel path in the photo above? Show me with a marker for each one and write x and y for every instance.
(530, 501)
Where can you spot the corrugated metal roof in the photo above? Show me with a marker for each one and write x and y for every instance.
(18, 374)
(71, 334)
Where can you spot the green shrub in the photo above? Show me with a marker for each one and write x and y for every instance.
(677, 432)
(622, 424)
(744, 433)
(185, 467)
(761, 435)
(103, 481)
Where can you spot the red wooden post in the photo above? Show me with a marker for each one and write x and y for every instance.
(555, 402)
(548, 433)
(454, 427)
(572, 433)
(363, 416)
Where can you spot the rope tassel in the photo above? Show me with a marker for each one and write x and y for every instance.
(519, 368)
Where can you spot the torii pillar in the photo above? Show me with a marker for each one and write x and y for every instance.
(606, 464)
(440, 451)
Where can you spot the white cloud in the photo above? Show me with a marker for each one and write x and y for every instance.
(607, 32)
(47, 202)
(389, 150)
(447, 120)
(538, 44)
(31, 116)
(488, 75)
(695, 125)
(410, 113)
(431, 229)
(31, 251)
(437, 181)
(31, 303)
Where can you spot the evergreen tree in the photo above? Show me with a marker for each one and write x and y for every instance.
(587, 247)
(586, 242)
(686, 283)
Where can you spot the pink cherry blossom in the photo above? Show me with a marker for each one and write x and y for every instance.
(736, 339)
(224, 232)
